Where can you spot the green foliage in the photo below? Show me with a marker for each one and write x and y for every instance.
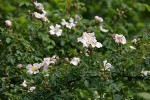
(28, 41)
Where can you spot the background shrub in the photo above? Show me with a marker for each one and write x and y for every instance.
(28, 41)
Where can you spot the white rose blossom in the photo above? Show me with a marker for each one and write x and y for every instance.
(89, 39)
(77, 17)
(47, 61)
(55, 30)
(103, 30)
(120, 39)
(54, 59)
(69, 24)
(44, 12)
(24, 84)
(33, 69)
(63, 22)
(38, 15)
(31, 89)
(39, 6)
(44, 19)
(8, 23)
(132, 47)
(75, 61)
(145, 73)
(134, 41)
(19, 66)
(98, 19)
(107, 66)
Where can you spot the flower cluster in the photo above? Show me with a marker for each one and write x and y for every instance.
(47, 61)
(37, 15)
(24, 84)
(69, 24)
(100, 20)
(89, 39)
(34, 69)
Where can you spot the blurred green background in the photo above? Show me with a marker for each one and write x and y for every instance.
(135, 15)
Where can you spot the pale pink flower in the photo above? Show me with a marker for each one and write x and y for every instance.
(98, 19)
(69, 24)
(55, 30)
(46, 63)
(89, 39)
(33, 69)
(63, 22)
(134, 41)
(75, 61)
(24, 84)
(44, 19)
(120, 39)
(77, 17)
(19, 65)
(107, 66)
(103, 30)
(38, 15)
(39, 6)
(8, 23)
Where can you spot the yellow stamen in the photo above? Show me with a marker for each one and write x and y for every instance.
(34, 68)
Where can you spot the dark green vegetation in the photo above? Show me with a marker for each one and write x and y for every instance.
(28, 41)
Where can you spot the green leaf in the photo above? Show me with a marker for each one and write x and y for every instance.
(117, 97)
(144, 95)
(8, 40)
(86, 83)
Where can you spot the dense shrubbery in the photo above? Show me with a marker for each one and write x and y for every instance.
(62, 49)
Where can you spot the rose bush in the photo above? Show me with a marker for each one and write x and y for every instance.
(70, 49)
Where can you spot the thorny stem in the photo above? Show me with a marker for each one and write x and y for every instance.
(117, 17)
(132, 2)
(67, 7)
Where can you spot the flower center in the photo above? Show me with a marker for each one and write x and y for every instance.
(56, 30)
(120, 39)
(88, 36)
(34, 68)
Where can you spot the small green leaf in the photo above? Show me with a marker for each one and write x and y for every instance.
(86, 83)
(117, 97)
(8, 40)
